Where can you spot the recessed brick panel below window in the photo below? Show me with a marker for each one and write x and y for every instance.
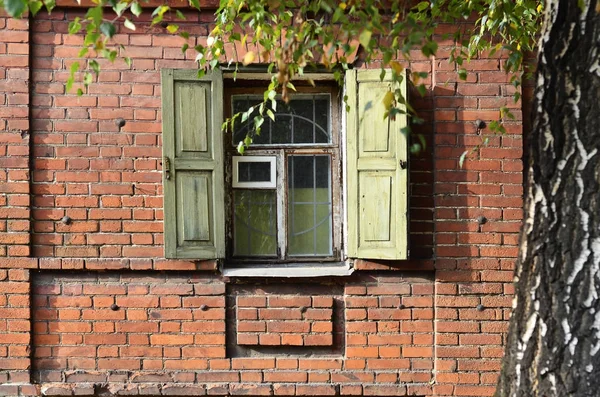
(90, 322)
(292, 320)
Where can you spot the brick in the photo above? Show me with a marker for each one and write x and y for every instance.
(318, 340)
(116, 364)
(139, 301)
(212, 352)
(289, 301)
(251, 301)
(288, 326)
(252, 363)
(171, 339)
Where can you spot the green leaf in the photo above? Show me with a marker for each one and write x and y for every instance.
(95, 66)
(422, 140)
(83, 52)
(74, 67)
(184, 47)
(127, 61)
(365, 38)
(79, 92)
(422, 6)
(74, 26)
(128, 24)
(173, 29)
(258, 121)
(136, 9)
(195, 4)
(15, 8)
(35, 7)
(160, 10)
(462, 157)
(180, 15)
(429, 48)
(95, 14)
(247, 114)
(112, 55)
(120, 7)
(108, 29)
(240, 147)
(87, 78)
(50, 4)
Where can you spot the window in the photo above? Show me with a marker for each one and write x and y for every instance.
(307, 190)
(290, 211)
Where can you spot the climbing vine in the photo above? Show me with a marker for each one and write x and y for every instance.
(293, 37)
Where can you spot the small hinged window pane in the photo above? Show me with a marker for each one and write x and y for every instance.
(254, 172)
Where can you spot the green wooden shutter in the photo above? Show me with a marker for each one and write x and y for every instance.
(377, 183)
(193, 154)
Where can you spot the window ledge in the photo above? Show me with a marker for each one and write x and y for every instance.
(290, 271)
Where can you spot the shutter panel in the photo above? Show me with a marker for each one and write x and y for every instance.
(193, 153)
(376, 184)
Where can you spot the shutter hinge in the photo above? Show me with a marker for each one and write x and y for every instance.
(403, 164)
(167, 167)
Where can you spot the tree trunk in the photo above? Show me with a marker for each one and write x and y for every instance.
(553, 346)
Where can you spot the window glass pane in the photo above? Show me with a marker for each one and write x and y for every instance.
(255, 223)
(304, 120)
(281, 129)
(303, 111)
(241, 104)
(322, 120)
(309, 206)
(254, 171)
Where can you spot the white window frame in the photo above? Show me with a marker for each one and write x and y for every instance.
(271, 184)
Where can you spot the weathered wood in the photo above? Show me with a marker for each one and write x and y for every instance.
(193, 142)
(377, 183)
(195, 216)
(553, 346)
(191, 129)
(375, 136)
(377, 200)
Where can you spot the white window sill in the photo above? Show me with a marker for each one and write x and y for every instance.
(290, 271)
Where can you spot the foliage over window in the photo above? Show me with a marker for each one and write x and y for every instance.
(292, 36)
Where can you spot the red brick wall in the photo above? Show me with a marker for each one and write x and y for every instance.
(433, 325)
(284, 320)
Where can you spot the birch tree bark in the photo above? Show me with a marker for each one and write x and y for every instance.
(553, 346)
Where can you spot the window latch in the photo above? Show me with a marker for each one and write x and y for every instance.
(167, 167)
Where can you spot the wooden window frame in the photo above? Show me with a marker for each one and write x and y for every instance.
(282, 152)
